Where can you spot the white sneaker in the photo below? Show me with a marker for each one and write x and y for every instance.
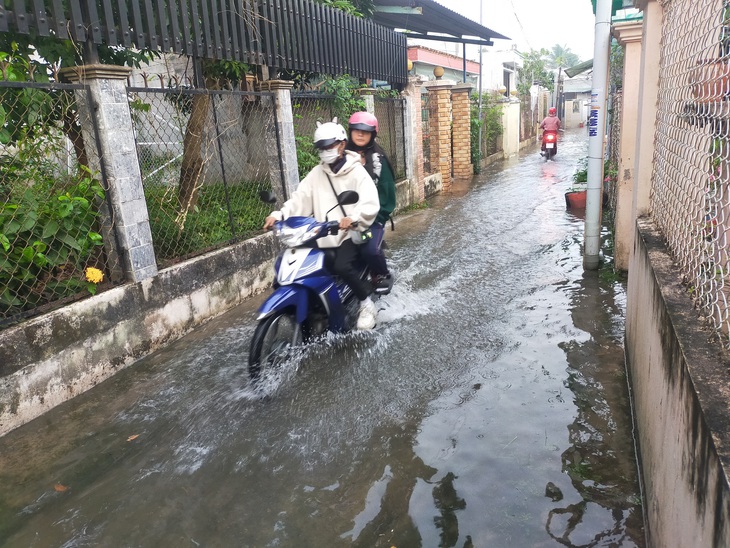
(368, 312)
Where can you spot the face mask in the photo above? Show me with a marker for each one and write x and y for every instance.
(329, 156)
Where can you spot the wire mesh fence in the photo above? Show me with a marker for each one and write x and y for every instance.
(205, 156)
(426, 132)
(489, 114)
(56, 240)
(610, 175)
(308, 108)
(690, 201)
(528, 118)
(390, 112)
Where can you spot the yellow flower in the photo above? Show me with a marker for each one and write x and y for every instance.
(94, 275)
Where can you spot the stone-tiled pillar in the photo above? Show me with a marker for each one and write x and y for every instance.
(461, 105)
(439, 103)
(414, 139)
(282, 153)
(118, 162)
(368, 95)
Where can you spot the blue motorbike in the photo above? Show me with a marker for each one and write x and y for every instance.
(308, 300)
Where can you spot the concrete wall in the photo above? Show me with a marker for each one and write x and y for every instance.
(680, 393)
(511, 128)
(50, 359)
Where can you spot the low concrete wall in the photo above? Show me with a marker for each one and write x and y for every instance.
(50, 359)
(406, 192)
(679, 384)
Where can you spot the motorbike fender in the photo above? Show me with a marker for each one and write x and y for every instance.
(297, 297)
(287, 296)
(328, 294)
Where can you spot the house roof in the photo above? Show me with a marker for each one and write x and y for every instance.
(433, 18)
(579, 68)
(428, 56)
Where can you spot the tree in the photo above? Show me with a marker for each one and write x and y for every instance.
(534, 71)
(33, 58)
(358, 8)
(562, 57)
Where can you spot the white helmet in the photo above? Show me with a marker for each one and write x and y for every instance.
(328, 134)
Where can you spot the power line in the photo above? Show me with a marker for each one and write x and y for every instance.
(514, 11)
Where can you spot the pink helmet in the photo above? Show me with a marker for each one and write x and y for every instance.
(552, 111)
(364, 121)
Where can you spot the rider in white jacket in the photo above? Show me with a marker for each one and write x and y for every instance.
(316, 196)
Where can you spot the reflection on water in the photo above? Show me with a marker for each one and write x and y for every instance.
(489, 408)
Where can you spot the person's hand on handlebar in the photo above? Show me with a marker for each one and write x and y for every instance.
(269, 222)
(346, 223)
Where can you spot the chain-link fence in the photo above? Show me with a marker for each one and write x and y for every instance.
(528, 118)
(308, 108)
(205, 156)
(610, 175)
(426, 133)
(489, 113)
(690, 201)
(56, 241)
(390, 112)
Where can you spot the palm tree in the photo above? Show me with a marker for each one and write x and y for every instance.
(561, 56)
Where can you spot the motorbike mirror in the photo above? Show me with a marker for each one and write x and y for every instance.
(267, 196)
(348, 197)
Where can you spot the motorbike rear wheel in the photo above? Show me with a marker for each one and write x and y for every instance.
(272, 342)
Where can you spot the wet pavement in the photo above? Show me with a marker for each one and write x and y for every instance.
(489, 407)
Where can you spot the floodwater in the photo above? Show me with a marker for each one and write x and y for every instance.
(488, 409)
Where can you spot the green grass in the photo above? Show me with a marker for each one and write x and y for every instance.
(208, 224)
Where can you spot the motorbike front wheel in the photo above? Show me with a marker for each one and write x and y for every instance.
(272, 343)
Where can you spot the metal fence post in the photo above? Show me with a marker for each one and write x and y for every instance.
(280, 139)
(109, 114)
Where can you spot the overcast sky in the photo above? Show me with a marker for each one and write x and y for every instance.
(535, 23)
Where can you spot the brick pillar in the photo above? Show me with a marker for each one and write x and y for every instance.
(439, 101)
(461, 104)
(281, 152)
(414, 139)
(109, 113)
(368, 95)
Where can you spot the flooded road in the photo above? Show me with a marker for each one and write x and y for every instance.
(489, 408)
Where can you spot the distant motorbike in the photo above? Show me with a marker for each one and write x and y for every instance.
(549, 144)
(308, 300)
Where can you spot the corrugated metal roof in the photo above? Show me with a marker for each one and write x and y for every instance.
(434, 18)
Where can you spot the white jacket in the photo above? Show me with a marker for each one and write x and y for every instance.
(314, 198)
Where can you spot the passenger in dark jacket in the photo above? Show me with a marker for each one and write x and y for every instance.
(363, 129)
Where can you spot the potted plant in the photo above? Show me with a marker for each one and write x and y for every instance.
(575, 197)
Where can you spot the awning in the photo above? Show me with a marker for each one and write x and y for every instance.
(615, 5)
(423, 18)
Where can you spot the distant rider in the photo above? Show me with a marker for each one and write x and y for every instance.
(550, 123)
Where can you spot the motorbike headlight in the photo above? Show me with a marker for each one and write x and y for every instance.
(296, 236)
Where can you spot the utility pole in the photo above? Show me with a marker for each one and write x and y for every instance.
(596, 132)
(481, 89)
